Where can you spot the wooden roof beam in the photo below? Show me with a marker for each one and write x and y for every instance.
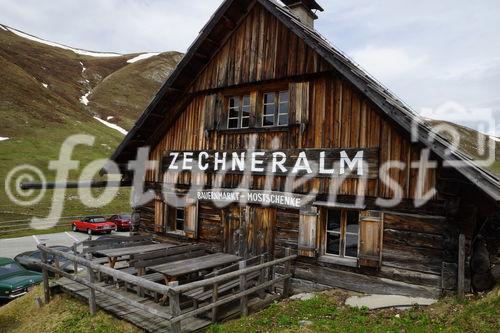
(231, 25)
(201, 56)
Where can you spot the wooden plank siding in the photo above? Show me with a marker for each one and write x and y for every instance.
(331, 125)
(262, 49)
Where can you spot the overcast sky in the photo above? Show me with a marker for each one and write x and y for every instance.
(428, 52)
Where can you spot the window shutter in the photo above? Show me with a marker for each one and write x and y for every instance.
(221, 112)
(210, 112)
(191, 220)
(308, 232)
(159, 211)
(370, 239)
(299, 103)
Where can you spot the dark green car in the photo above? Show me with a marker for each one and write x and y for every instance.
(15, 281)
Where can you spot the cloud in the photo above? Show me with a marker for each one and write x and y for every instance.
(388, 63)
(123, 26)
(478, 69)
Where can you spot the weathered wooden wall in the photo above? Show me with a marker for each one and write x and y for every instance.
(416, 250)
(340, 117)
(260, 49)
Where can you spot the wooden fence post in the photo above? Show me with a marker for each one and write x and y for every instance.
(91, 277)
(175, 306)
(243, 287)
(286, 283)
(262, 276)
(215, 297)
(57, 265)
(461, 266)
(75, 264)
(46, 289)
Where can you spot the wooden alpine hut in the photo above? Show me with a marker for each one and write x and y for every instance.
(266, 137)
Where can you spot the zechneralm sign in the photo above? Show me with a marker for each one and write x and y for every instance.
(349, 163)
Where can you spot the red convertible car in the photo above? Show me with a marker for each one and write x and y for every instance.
(93, 225)
(122, 222)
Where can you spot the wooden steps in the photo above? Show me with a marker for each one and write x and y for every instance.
(139, 318)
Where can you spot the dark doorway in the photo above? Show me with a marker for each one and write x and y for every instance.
(248, 230)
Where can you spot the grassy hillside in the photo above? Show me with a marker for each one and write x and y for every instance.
(326, 313)
(40, 91)
(126, 93)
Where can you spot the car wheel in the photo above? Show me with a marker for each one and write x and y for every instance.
(108, 232)
(73, 227)
(89, 231)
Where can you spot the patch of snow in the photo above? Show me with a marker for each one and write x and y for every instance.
(495, 138)
(110, 125)
(108, 118)
(4, 138)
(1, 26)
(142, 57)
(303, 296)
(386, 301)
(45, 85)
(305, 323)
(46, 42)
(84, 99)
(83, 67)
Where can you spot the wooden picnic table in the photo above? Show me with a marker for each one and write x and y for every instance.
(172, 270)
(114, 254)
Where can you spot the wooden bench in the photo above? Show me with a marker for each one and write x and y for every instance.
(201, 295)
(92, 246)
(142, 261)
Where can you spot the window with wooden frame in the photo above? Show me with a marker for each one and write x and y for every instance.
(174, 219)
(182, 221)
(239, 112)
(275, 109)
(179, 218)
(342, 233)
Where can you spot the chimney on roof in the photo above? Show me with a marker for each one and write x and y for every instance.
(304, 10)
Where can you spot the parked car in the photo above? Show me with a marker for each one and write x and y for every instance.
(15, 280)
(93, 225)
(29, 259)
(122, 221)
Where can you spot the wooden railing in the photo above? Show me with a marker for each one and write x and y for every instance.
(267, 279)
(92, 269)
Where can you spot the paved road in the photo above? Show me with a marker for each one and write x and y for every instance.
(10, 247)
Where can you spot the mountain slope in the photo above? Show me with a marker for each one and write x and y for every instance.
(470, 143)
(42, 89)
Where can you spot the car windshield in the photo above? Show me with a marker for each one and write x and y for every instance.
(98, 220)
(124, 217)
(10, 268)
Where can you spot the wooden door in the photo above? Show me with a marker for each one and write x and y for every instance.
(259, 233)
(234, 229)
(248, 231)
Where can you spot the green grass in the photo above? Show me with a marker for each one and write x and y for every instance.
(62, 315)
(327, 314)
